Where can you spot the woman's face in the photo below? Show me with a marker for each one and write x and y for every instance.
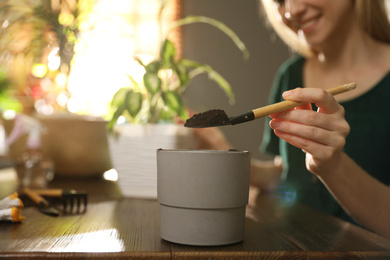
(317, 20)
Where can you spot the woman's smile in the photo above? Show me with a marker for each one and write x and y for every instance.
(309, 25)
(318, 21)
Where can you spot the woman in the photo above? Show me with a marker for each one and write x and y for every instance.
(335, 155)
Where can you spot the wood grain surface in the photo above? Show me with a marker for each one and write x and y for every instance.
(124, 228)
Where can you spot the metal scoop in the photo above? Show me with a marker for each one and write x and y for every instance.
(43, 204)
(218, 117)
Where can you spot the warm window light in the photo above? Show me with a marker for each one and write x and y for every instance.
(43, 108)
(100, 70)
(121, 120)
(46, 84)
(136, 70)
(39, 70)
(105, 55)
(9, 114)
(110, 175)
(74, 105)
(54, 60)
(62, 99)
(61, 79)
(107, 240)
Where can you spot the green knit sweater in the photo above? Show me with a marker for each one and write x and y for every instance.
(368, 143)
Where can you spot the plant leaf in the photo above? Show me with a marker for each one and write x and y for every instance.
(119, 97)
(153, 67)
(218, 24)
(135, 85)
(119, 111)
(174, 102)
(137, 59)
(152, 82)
(168, 52)
(155, 105)
(181, 71)
(133, 103)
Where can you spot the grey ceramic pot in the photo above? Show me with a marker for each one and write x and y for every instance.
(202, 195)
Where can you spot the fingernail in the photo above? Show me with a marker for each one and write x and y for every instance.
(274, 124)
(287, 93)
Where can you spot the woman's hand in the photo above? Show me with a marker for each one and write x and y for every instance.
(320, 134)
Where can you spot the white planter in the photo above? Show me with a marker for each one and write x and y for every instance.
(133, 154)
(203, 195)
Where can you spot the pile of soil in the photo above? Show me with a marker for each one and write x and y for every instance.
(214, 117)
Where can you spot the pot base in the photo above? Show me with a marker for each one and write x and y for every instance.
(202, 227)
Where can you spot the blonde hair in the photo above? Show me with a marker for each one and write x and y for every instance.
(371, 15)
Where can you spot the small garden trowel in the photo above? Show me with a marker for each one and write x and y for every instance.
(218, 117)
(43, 204)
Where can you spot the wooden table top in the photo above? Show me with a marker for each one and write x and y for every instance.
(126, 228)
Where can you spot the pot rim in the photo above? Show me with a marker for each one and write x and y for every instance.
(204, 151)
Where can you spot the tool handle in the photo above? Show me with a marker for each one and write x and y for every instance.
(285, 105)
(49, 192)
(35, 197)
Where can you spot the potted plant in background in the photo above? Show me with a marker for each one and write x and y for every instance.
(37, 40)
(153, 109)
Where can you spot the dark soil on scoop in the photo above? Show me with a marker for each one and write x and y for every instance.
(214, 117)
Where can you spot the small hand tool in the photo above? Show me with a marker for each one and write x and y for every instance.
(218, 117)
(69, 197)
(43, 204)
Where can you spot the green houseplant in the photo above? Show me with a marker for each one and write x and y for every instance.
(153, 107)
(160, 96)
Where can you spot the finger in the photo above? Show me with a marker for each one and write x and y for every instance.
(317, 150)
(309, 133)
(277, 115)
(331, 122)
(316, 153)
(323, 99)
(306, 106)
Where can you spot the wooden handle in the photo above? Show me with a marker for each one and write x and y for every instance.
(285, 105)
(35, 197)
(49, 192)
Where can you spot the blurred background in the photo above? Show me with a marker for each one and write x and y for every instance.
(251, 80)
(71, 56)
